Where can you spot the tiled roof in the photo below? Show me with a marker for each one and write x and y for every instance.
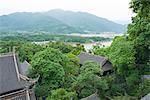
(105, 64)
(8, 74)
(86, 56)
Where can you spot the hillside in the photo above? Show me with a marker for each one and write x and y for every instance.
(33, 22)
(58, 21)
(85, 21)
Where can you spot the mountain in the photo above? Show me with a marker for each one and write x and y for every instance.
(58, 21)
(33, 22)
(85, 21)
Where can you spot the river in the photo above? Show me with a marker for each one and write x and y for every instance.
(89, 46)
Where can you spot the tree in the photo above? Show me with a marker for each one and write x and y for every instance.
(77, 49)
(50, 64)
(97, 50)
(61, 94)
(7, 46)
(64, 48)
(27, 50)
(89, 80)
(122, 56)
(126, 97)
(73, 70)
(139, 30)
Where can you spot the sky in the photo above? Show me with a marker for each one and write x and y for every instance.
(115, 10)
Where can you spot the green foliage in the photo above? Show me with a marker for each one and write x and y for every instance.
(122, 55)
(50, 64)
(139, 30)
(7, 46)
(27, 50)
(126, 97)
(73, 70)
(73, 64)
(127, 54)
(78, 49)
(97, 50)
(92, 67)
(37, 37)
(64, 48)
(142, 89)
(61, 94)
(89, 81)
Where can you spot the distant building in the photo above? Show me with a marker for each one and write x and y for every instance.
(14, 85)
(104, 62)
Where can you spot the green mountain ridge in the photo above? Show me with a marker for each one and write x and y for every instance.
(33, 22)
(58, 21)
(85, 21)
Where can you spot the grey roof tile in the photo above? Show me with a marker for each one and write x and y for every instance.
(106, 65)
(86, 56)
(8, 74)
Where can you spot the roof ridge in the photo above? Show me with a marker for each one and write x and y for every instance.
(16, 66)
(6, 54)
(94, 55)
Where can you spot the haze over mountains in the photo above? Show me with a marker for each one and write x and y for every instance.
(58, 21)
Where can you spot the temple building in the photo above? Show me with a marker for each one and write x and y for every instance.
(14, 85)
(103, 61)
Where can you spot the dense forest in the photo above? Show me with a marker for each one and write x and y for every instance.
(62, 78)
(41, 37)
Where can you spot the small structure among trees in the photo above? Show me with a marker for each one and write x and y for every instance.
(14, 85)
(104, 62)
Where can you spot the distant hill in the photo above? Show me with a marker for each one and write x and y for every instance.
(85, 21)
(33, 22)
(58, 21)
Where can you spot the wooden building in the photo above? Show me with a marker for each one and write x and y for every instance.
(104, 62)
(13, 84)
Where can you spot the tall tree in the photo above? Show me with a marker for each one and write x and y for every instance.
(61, 94)
(139, 30)
(89, 80)
(121, 55)
(50, 64)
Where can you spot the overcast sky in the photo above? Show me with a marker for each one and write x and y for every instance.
(110, 9)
